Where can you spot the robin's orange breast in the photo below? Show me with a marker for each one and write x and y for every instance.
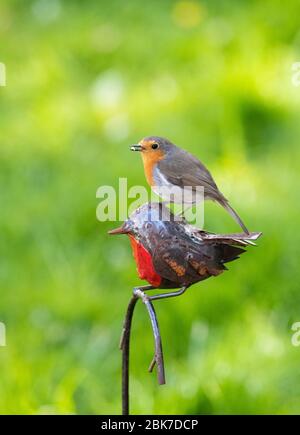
(150, 160)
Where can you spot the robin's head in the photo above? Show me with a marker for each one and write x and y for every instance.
(153, 147)
(149, 218)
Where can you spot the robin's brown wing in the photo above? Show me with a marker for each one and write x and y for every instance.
(186, 262)
(183, 169)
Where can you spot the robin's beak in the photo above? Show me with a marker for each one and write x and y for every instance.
(121, 230)
(137, 147)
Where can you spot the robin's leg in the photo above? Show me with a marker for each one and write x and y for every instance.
(181, 214)
(184, 209)
(169, 294)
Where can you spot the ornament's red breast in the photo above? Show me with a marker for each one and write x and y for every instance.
(144, 263)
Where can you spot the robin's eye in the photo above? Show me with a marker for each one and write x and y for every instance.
(154, 146)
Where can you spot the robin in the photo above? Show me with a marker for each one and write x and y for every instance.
(167, 166)
(174, 254)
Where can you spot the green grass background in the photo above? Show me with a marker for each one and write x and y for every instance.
(84, 81)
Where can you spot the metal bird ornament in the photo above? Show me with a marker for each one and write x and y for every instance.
(172, 254)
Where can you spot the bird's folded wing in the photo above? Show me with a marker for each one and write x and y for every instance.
(169, 263)
(183, 263)
(186, 170)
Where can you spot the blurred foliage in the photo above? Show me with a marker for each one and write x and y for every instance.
(84, 81)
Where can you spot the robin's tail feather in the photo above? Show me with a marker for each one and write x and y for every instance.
(224, 203)
(236, 239)
(230, 253)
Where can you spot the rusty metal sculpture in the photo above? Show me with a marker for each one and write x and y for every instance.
(170, 254)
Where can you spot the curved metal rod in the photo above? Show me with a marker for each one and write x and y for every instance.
(158, 356)
(125, 345)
